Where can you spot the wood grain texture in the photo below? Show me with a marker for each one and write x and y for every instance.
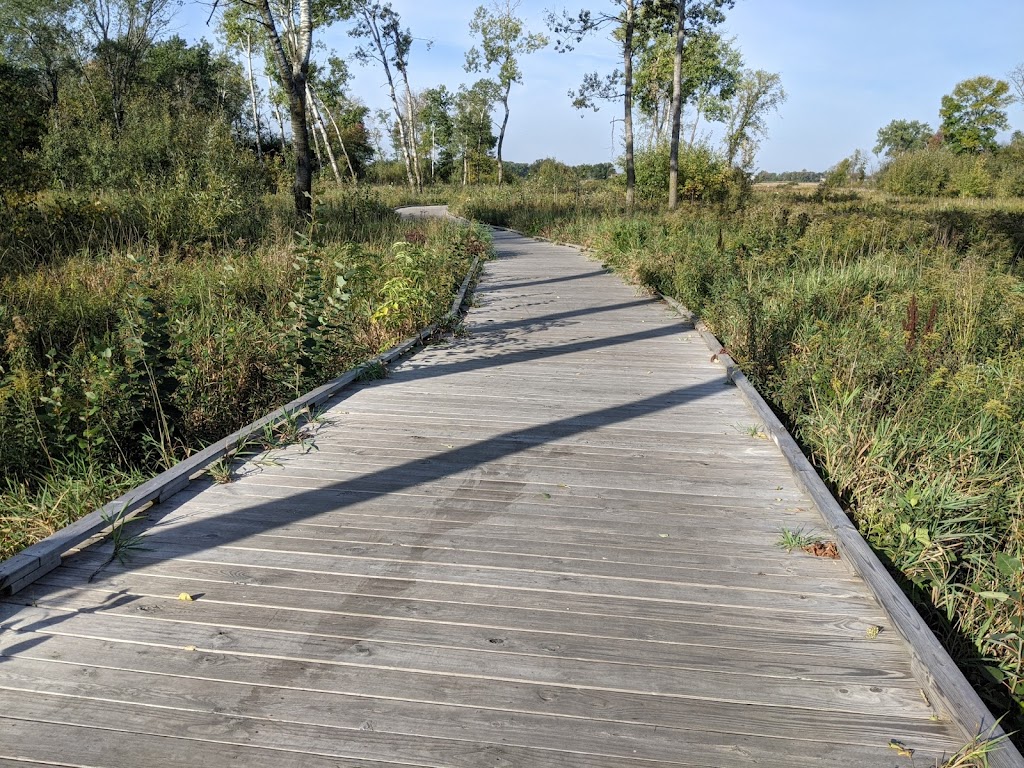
(551, 541)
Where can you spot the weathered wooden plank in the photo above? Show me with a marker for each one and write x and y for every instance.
(474, 490)
(554, 522)
(60, 590)
(849, 601)
(870, 695)
(680, 546)
(76, 746)
(296, 740)
(575, 705)
(874, 668)
(387, 482)
(350, 712)
(731, 575)
(679, 613)
(457, 463)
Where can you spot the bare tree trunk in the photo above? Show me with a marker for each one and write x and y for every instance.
(252, 96)
(627, 50)
(341, 141)
(319, 123)
(375, 35)
(294, 74)
(412, 131)
(696, 121)
(280, 126)
(677, 108)
(501, 133)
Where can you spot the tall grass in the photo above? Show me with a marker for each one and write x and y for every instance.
(889, 334)
(122, 355)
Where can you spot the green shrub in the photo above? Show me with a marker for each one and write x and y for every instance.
(21, 131)
(924, 173)
(971, 177)
(703, 174)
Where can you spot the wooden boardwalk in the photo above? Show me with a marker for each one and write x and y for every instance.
(547, 543)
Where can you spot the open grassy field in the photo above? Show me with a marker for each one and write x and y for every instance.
(889, 335)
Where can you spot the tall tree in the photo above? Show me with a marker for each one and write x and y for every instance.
(120, 33)
(329, 88)
(389, 45)
(436, 105)
(40, 35)
(974, 112)
(473, 126)
(758, 94)
(901, 136)
(711, 67)
(691, 15)
(502, 40)
(622, 21)
(240, 34)
(291, 56)
(288, 26)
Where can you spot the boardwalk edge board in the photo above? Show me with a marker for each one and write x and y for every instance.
(940, 678)
(35, 561)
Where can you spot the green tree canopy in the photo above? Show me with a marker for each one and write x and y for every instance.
(758, 94)
(974, 113)
(901, 136)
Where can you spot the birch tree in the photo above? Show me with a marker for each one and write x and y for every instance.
(288, 28)
(241, 33)
(389, 45)
(502, 40)
(473, 125)
(328, 87)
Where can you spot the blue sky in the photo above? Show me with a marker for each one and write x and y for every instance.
(847, 67)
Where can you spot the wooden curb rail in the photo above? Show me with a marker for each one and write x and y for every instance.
(37, 560)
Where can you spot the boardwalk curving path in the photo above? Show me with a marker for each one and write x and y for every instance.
(548, 542)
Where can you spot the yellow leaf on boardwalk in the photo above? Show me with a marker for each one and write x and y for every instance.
(185, 596)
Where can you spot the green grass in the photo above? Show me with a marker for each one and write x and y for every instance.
(889, 333)
(798, 539)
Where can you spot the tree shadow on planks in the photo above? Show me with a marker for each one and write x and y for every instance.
(553, 319)
(187, 538)
(485, 340)
(493, 287)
